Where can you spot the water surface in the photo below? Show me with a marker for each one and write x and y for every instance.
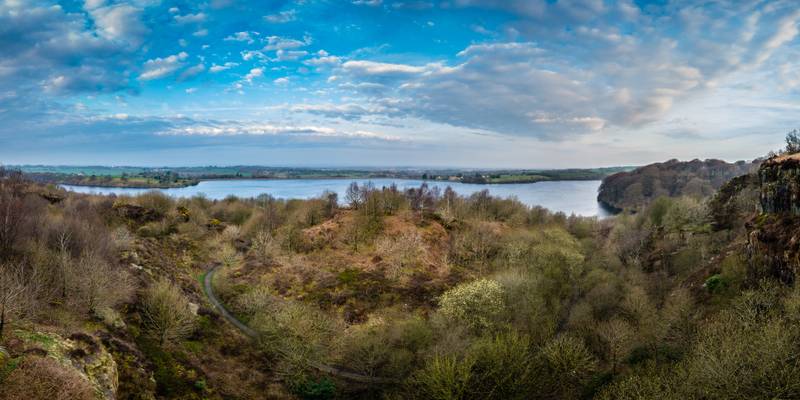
(569, 197)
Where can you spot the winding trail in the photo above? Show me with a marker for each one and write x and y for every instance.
(251, 333)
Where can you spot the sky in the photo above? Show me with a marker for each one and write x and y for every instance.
(451, 83)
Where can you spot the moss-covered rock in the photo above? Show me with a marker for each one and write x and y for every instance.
(80, 351)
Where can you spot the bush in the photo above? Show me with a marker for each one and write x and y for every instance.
(314, 389)
(43, 378)
(165, 312)
(567, 365)
(715, 283)
(442, 378)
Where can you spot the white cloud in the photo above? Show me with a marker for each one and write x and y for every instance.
(232, 128)
(371, 3)
(219, 68)
(118, 22)
(378, 68)
(323, 59)
(192, 72)
(160, 67)
(590, 79)
(191, 18)
(281, 81)
(251, 54)
(190, 90)
(200, 33)
(290, 55)
(281, 43)
(281, 17)
(254, 73)
(92, 4)
(245, 36)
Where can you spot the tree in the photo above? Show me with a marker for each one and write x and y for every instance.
(568, 367)
(353, 195)
(617, 337)
(331, 203)
(97, 284)
(12, 211)
(15, 293)
(443, 378)
(476, 305)
(166, 313)
(793, 142)
(64, 261)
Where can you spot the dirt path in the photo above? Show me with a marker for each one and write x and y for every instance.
(214, 300)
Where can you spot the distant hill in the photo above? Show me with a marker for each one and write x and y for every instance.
(635, 189)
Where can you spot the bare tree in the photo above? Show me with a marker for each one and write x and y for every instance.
(11, 209)
(98, 284)
(617, 336)
(64, 260)
(15, 293)
(353, 195)
(166, 313)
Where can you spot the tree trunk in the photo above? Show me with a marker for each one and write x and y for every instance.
(2, 319)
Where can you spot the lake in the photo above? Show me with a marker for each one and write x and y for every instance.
(569, 197)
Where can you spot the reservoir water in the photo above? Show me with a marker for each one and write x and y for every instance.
(569, 197)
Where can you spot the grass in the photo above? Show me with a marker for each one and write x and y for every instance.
(45, 340)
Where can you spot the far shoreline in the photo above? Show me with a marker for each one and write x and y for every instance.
(307, 178)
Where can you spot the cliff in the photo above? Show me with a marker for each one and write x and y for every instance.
(635, 189)
(773, 236)
(779, 179)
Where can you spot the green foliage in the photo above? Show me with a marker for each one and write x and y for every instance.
(314, 389)
(567, 366)
(443, 378)
(715, 283)
(503, 368)
(173, 379)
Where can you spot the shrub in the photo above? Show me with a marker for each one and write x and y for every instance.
(313, 389)
(503, 368)
(43, 378)
(715, 283)
(442, 378)
(568, 366)
(165, 312)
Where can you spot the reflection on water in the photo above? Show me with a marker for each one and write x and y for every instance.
(578, 197)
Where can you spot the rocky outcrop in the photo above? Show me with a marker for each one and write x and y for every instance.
(635, 189)
(81, 352)
(773, 234)
(779, 179)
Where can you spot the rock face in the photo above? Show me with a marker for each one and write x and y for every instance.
(779, 178)
(696, 178)
(774, 238)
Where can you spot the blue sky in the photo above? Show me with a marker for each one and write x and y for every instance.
(475, 83)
